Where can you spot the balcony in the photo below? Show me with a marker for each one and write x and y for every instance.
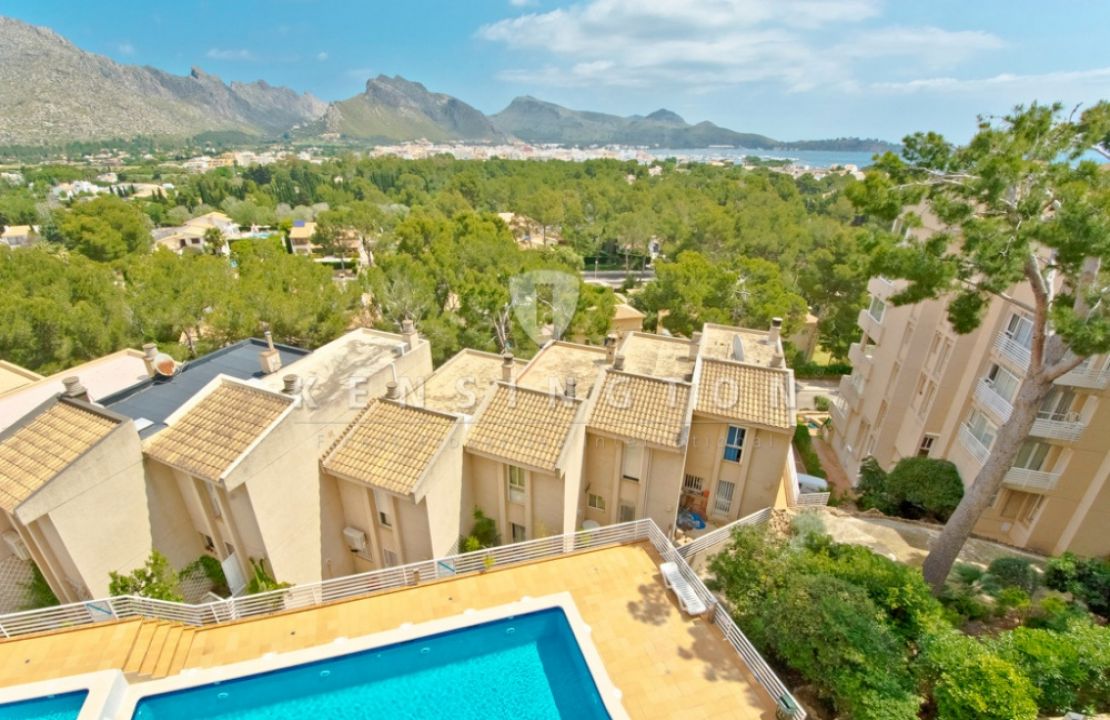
(1031, 480)
(881, 287)
(838, 411)
(861, 359)
(1065, 429)
(978, 450)
(989, 398)
(1094, 374)
(1011, 351)
(870, 325)
(851, 390)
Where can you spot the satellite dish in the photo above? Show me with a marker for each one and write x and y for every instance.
(165, 365)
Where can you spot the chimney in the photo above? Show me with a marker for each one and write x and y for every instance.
(571, 387)
(292, 384)
(618, 362)
(738, 348)
(392, 392)
(695, 345)
(270, 358)
(776, 329)
(507, 367)
(150, 351)
(610, 347)
(408, 332)
(74, 389)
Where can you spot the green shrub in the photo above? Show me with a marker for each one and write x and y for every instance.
(1054, 613)
(155, 579)
(821, 403)
(210, 568)
(926, 485)
(964, 603)
(1087, 579)
(872, 487)
(804, 443)
(1011, 598)
(1012, 572)
(261, 581)
(1069, 670)
(969, 682)
(37, 591)
(832, 633)
(483, 534)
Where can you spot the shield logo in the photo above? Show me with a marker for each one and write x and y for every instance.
(544, 302)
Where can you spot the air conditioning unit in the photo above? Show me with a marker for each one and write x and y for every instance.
(15, 544)
(355, 539)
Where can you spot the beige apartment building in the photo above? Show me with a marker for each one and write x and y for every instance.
(918, 388)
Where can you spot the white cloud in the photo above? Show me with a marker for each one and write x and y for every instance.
(126, 48)
(321, 56)
(1045, 85)
(706, 44)
(229, 54)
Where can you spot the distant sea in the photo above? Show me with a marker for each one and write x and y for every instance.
(810, 158)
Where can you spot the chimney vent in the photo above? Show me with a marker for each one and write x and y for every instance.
(738, 348)
(392, 392)
(150, 351)
(292, 384)
(507, 367)
(270, 358)
(776, 330)
(408, 332)
(74, 389)
(618, 362)
(610, 347)
(695, 345)
(571, 387)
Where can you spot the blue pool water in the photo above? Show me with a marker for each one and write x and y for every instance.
(527, 667)
(55, 707)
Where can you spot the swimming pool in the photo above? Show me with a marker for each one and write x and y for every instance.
(54, 707)
(527, 666)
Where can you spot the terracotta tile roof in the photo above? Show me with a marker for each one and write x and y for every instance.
(212, 434)
(524, 426)
(641, 408)
(32, 454)
(745, 392)
(389, 445)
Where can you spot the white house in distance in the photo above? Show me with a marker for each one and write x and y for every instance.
(17, 236)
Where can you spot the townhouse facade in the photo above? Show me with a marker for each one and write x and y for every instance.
(919, 389)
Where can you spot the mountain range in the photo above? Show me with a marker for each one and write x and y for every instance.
(53, 92)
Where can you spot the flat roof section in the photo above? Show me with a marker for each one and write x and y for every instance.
(657, 356)
(13, 376)
(156, 399)
(102, 377)
(552, 365)
(719, 342)
(458, 385)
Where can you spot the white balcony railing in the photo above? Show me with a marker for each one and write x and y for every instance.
(851, 390)
(1066, 430)
(989, 398)
(1031, 480)
(1093, 374)
(838, 411)
(978, 450)
(881, 287)
(870, 325)
(1012, 351)
(861, 358)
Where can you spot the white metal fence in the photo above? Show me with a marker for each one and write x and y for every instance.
(312, 594)
(720, 536)
(817, 498)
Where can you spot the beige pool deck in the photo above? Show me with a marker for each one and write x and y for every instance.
(665, 664)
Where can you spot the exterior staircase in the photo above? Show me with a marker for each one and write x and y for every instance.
(159, 649)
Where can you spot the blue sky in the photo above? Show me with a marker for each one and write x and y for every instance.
(790, 69)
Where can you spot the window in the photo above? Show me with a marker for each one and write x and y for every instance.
(389, 558)
(734, 443)
(927, 400)
(1057, 405)
(519, 534)
(626, 513)
(981, 429)
(876, 309)
(1031, 455)
(596, 502)
(942, 358)
(1004, 382)
(926, 445)
(632, 460)
(723, 502)
(209, 543)
(516, 484)
(384, 504)
(1020, 330)
(1021, 506)
(692, 484)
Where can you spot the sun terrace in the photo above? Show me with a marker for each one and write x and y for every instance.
(663, 662)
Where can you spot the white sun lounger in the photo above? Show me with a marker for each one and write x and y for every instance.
(687, 598)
